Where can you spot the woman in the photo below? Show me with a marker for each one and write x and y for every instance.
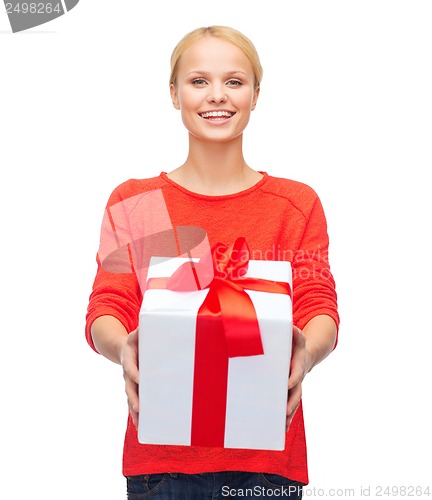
(215, 84)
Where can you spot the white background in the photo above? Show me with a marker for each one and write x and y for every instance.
(345, 106)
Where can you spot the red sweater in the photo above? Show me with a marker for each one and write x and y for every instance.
(281, 220)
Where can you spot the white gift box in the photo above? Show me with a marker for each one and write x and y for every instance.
(257, 385)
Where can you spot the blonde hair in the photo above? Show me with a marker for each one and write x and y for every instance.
(226, 33)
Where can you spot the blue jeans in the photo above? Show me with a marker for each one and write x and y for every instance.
(211, 486)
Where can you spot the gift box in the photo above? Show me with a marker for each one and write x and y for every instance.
(214, 362)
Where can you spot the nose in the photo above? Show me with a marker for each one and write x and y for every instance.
(217, 95)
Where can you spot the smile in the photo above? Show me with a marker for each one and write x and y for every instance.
(217, 115)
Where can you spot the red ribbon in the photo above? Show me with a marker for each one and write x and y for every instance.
(227, 327)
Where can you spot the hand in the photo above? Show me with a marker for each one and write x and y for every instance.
(129, 362)
(300, 365)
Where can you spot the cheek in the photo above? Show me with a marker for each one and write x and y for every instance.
(188, 100)
(244, 100)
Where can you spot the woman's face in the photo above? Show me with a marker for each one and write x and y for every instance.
(214, 90)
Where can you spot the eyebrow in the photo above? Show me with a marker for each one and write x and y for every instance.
(206, 73)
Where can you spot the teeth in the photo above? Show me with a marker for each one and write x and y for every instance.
(216, 114)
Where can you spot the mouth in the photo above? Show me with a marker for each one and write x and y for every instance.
(217, 115)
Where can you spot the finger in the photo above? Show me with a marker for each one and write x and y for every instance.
(289, 418)
(131, 389)
(288, 423)
(296, 376)
(294, 397)
(134, 416)
(297, 371)
(296, 333)
(132, 361)
(298, 338)
(130, 364)
(130, 370)
(297, 358)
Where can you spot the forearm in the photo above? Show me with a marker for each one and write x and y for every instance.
(109, 337)
(320, 333)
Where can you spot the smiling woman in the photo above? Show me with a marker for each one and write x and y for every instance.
(215, 84)
(214, 81)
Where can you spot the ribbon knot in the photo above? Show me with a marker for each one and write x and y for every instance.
(223, 272)
(223, 263)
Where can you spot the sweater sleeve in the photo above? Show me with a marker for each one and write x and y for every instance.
(313, 284)
(113, 294)
(116, 291)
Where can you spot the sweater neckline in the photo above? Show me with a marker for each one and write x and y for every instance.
(244, 192)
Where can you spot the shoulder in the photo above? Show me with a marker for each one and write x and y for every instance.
(135, 187)
(298, 194)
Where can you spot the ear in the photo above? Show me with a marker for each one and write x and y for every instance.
(255, 97)
(174, 96)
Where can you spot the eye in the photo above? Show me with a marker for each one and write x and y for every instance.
(234, 83)
(199, 81)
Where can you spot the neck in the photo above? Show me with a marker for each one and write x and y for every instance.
(215, 168)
